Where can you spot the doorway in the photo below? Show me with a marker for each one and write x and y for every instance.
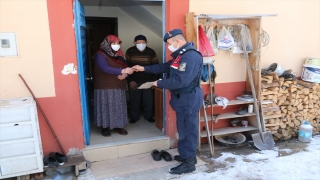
(126, 27)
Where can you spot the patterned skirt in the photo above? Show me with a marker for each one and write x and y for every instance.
(110, 108)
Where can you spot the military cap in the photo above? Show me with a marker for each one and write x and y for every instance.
(171, 34)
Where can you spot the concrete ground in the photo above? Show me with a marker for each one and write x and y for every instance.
(245, 149)
(204, 154)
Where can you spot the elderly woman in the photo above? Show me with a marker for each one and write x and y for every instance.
(110, 107)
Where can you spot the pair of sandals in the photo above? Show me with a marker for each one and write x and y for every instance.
(106, 131)
(156, 155)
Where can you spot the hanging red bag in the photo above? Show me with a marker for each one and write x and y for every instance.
(205, 47)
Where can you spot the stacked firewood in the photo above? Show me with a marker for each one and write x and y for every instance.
(286, 103)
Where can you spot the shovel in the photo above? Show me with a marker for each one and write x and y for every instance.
(262, 140)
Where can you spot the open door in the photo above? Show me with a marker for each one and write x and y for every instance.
(80, 32)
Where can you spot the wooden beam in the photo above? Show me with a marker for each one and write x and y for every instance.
(255, 29)
(191, 33)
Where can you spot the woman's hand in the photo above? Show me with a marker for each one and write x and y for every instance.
(138, 68)
(127, 71)
(122, 76)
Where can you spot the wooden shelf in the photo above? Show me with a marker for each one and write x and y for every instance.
(228, 130)
(234, 102)
(227, 116)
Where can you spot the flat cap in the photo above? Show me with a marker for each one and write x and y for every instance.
(140, 37)
(171, 34)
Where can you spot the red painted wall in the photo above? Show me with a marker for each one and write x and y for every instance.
(175, 19)
(63, 111)
(228, 90)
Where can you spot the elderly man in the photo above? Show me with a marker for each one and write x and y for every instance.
(186, 95)
(141, 55)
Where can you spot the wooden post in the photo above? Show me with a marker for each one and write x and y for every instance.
(191, 34)
(255, 29)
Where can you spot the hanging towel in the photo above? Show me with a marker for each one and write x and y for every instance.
(222, 101)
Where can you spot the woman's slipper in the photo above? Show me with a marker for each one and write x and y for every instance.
(156, 155)
(121, 131)
(166, 156)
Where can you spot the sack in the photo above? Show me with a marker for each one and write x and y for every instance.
(245, 33)
(225, 40)
(205, 75)
(205, 47)
(211, 34)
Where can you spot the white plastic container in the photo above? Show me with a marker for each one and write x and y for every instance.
(250, 108)
(311, 73)
(305, 132)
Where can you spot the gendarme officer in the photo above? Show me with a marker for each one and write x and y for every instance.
(186, 95)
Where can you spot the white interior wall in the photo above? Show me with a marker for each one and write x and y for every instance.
(128, 27)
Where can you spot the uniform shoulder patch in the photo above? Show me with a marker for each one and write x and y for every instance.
(182, 66)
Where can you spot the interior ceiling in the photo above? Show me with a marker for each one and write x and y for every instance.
(119, 3)
(135, 9)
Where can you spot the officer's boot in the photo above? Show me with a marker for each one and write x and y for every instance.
(180, 159)
(187, 165)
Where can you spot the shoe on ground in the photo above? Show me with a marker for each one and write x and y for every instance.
(151, 120)
(180, 159)
(105, 132)
(121, 131)
(50, 162)
(132, 121)
(156, 155)
(83, 171)
(165, 155)
(187, 166)
(59, 157)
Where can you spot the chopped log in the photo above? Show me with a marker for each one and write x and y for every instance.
(271, 109)
(306, 84)
(266, 85)
(275, 75)
(273, 89)
(286, 84)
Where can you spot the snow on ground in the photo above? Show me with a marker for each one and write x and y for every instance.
(266, 165)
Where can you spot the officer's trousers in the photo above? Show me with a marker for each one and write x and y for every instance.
(138, 95)
(188, 129)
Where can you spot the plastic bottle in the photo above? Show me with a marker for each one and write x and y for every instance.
(305, 132)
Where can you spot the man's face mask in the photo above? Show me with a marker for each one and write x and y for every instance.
(141, 46)
(172, 48)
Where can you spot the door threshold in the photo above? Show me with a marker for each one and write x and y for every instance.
(119, 143)
(101, 152)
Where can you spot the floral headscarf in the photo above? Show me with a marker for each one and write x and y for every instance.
(106, 46)
(118, 56)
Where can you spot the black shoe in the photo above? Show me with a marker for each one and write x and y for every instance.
(50, 162)
(185, 167)
(180, 159)
(132, 121)
(166, 156)
(59, 157)
(105, 132)
(242, 111)
(151, 120)
(156, 155)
